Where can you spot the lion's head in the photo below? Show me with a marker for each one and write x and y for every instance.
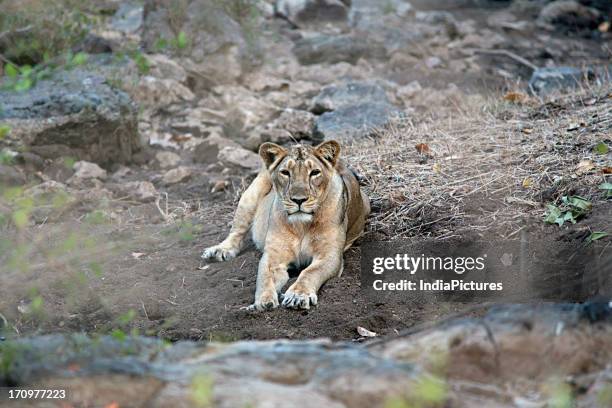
(301, 175)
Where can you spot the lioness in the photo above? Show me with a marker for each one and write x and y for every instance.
(304, 209)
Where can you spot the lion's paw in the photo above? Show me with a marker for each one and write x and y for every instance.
(299, 297)
(219, 253)
(266, 301)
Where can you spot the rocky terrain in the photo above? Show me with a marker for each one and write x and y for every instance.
(121, 161)
(515, 356)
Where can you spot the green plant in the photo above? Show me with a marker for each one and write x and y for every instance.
(607, 188)
(572, 209)
(38, 30)
(4, 131)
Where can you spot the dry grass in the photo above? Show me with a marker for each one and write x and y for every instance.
(488, 173)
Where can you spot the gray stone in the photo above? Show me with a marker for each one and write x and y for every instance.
(301, 12)
(546, 80)
(77, 112)
(238, 157)
(128, 18)
(177, 175)
(86, 170)
(10, 176)
(140, 190)
(570, 15)
(218, 45)
(298, 123)
(331, 49)
(335, 96)
(167, 159)
(354, 121)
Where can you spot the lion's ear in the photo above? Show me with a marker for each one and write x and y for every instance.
(271, 153)
(329, 151)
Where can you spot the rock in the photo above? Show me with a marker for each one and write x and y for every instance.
(161, 66)
(76, 111)
(570, 15)
(177, 175)
(475, 361)
(156, 93)
(297, 123)
(409, 91)
(218, 46)
(433, 62)
(208, 151)
(86, 170)
(334, 96)
(167, 159)
(238, 157)
(354, 121)
(368, 9)
(546, 80)
(128, 18)
(331, 49)
(140, 190)
(302, 12)
(32, 162)
(10, 176)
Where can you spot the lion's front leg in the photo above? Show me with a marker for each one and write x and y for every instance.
(303, 293)
(247, 206)
(271, 277)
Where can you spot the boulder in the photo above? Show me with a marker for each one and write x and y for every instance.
(10, 176)
(569, 15)
(128, 18)
(297, 123)
(167, 159)
(208, 151)
(547, 80)
(139, 190)
(240, 158)
(75, 112)
(354, 121)
(177, 175)
(336, 96)
(303, 12)
(216, 38)
(86, 170)
(332, 48)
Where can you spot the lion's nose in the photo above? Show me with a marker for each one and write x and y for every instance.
(298, 200)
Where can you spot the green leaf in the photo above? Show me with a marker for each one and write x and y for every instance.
(4, 131)
(181, 41)
(20, 218)
(119, 334)
(601, 148)
(79, 59)
(25, 70)
(23, 85)
(578, 202)
(161, 44)
(607, 187)
(597, 235)
(11, 71)
(553, 214)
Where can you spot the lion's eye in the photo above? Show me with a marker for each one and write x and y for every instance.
(285, 173)
(315, 173)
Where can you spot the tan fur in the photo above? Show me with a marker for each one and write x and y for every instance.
(306, 208)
